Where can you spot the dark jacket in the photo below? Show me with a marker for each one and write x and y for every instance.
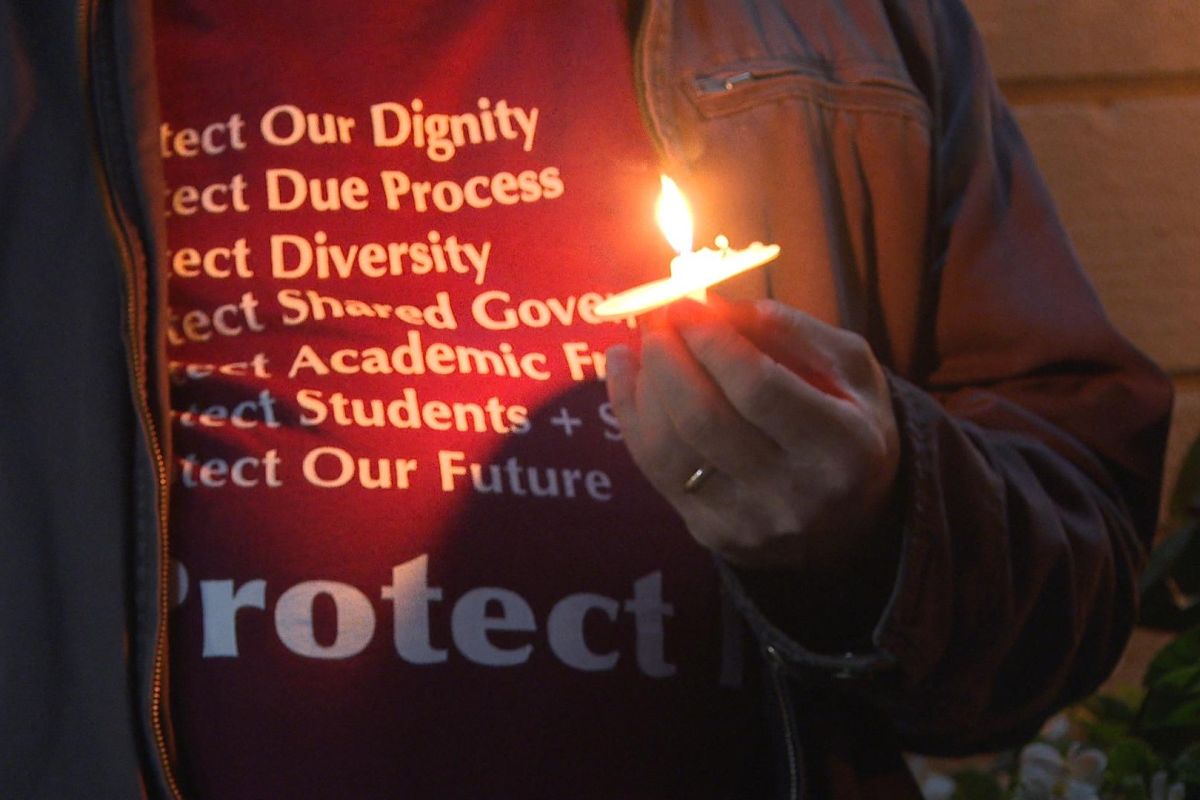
(868, 139)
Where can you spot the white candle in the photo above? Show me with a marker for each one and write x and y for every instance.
(692, 271)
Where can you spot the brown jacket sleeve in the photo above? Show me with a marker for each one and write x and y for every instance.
(1032, 457)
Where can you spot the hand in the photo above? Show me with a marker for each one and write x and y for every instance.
(794, 414)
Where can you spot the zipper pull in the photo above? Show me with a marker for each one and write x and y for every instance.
(714, 84)
(734, 80)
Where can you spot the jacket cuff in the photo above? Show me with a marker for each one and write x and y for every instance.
(891, 637)
(899, 632)
(767, 623)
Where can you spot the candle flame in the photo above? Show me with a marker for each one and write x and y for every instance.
(674, 217)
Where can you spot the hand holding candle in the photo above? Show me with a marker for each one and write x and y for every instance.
(793, 414)
(770, 432)
(692, 271)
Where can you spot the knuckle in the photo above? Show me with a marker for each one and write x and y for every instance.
(877, 443)
(653, 462)
(870, 437)
(763, 394)
(717, 350)
(658, 454)
(706, 342)
(652, 457)
(666, 483)
(695, 422)
(841, 487)
(858, 359)
(783, 519)
(781, 316)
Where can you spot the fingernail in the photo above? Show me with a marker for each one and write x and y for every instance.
(766, 307)
(618, 363)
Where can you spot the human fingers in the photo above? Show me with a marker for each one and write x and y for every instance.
(664, 459)
(802, 343)
(734, 518)
(770, 396)
(701, 415)
(847, 364)
(853, 374)
(620, 379)
(839, 362)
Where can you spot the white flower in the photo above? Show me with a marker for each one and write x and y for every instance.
(917, 765)
(1045, 775)
(937, 787)
(934, 785)
(1160, 791)
(1086, 765)
(1056, 729)
(1041, 769)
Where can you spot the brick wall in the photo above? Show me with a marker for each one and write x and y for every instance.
(1108, 94)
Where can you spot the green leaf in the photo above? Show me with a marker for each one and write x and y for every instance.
(1131, 695)
(1187, 568)
(1171, 714)
(1185, 499)
(1170, 553)
(1185, 715)
(1110, 708)
(972, 784)
(1130, 787)
(1105, 734)
(1131, 758)
(1186, 767)
(1161, 610)
(1184, 651)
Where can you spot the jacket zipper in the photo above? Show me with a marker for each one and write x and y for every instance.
(119, 226)
(728, 80)
(723, 82)
(790, 737)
